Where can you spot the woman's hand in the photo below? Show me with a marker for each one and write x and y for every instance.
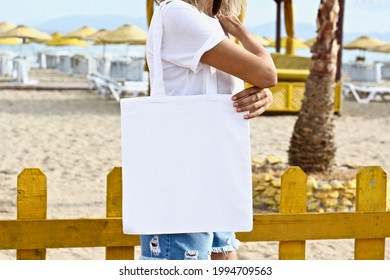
(254, 100)
(231, 24)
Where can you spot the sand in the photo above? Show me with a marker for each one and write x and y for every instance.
(74, 138)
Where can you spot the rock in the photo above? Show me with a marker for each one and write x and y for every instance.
(270, 202)
(273, 160)
(338, 185)
(267, 177)
(325, 187)
(334, 194)
(350, 184)
(330, 202)
(269, 192)
(313, 205)
(343, 208)
(277, 182)
(321, 195)
(257, 161)
(259, 189)
(346, 202)
(311, 183)
(256, 180)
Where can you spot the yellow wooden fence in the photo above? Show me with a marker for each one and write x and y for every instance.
(31, 234)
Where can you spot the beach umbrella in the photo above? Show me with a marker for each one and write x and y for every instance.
(364, 43)
(54, 35)
(6, 26)
(62, 41)
(81, 33)
(383, 48)
(59, 41)
(10, 41)
(298, 43)
(97, 35)
(126, 34)
(25, 32)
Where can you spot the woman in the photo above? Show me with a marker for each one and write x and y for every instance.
(195, 33)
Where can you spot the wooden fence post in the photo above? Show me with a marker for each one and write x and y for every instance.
(31, 204)
(370, 197)
(293, 200)
(114, 209)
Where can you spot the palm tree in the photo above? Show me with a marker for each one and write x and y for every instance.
(312, 145)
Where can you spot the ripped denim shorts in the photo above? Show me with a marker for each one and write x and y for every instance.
(186, 246)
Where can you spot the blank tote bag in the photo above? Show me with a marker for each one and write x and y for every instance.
(186, 162)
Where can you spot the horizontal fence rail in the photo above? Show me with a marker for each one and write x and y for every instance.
(31, 234)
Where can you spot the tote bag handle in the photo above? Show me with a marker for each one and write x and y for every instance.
(158, 88)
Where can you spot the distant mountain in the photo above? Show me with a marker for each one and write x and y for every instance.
(68, 24)
(307, 31)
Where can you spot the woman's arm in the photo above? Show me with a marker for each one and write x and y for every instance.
(251, 63)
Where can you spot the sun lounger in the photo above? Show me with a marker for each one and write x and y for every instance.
(108, 86)
(128, 87)
(364, 94)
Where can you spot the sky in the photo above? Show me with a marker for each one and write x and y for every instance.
(361, 16)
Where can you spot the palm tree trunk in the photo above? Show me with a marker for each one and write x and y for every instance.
(312, 144)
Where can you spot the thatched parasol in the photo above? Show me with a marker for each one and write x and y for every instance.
(363, 43)
(10, 41)
(383, 48)
(97, 35)
(6, 26)
(126, 34)
(62, 41)
(25, 32)
(81, 33)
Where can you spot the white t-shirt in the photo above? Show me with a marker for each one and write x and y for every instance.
(187, 35)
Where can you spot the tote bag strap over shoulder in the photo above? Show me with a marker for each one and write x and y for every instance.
(158, 88)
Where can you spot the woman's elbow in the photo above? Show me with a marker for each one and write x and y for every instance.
(272, 77)
(267, 78)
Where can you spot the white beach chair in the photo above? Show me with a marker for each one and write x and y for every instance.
(364, 94)
(21, 70)
(108, 86)
(118, 90)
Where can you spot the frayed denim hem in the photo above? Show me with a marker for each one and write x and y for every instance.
(142, 258)
(228, 248)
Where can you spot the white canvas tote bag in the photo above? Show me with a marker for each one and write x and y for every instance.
(186, 161)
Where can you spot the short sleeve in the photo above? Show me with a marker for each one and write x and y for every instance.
(188, 34)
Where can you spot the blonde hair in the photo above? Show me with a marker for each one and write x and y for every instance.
(232, 7)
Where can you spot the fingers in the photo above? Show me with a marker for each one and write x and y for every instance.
(253, 100)
(255, 113)
(245, 92)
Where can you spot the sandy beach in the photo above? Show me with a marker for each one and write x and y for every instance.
(74, 138)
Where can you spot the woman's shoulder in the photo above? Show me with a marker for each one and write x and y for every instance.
(178, 7)
(178, 4)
